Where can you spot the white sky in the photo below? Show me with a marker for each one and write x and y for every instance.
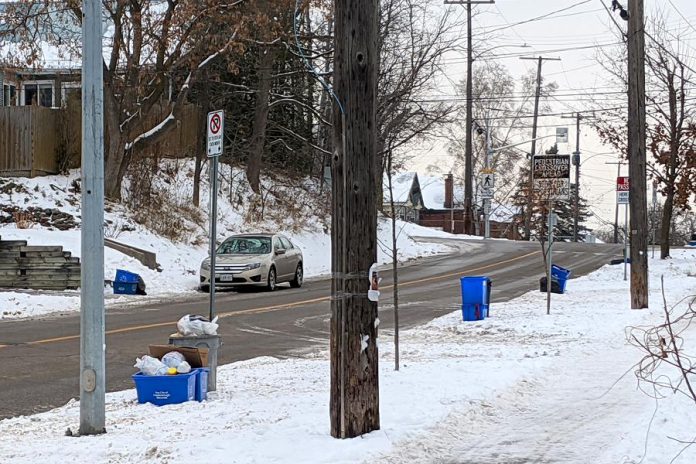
(577, 24)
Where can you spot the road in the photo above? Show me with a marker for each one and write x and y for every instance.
(41, 357)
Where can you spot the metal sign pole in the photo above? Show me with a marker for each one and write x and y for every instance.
(549, 259)
(487, 201)
(215, 146)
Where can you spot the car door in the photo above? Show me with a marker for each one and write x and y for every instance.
(292, 253)
(280, 258)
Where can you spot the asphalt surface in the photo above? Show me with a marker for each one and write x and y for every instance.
(40, 358)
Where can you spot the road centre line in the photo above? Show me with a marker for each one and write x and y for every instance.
(278, 307)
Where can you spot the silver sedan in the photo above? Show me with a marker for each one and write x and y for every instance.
(262, 260)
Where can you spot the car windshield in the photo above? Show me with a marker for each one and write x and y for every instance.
(245, 246)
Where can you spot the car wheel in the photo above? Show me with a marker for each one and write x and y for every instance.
(299, 275)
(271, 281)
(205, 288)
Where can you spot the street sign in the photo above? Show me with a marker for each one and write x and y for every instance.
(622, 188)
(487, 183)
(561, 135)
(552, 177)
(216, 132)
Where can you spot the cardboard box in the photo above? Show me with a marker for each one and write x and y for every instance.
(196, 357)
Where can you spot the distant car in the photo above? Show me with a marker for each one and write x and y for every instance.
(262, 260)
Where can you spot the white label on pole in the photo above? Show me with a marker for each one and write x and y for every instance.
(216, 132)
(561, 135)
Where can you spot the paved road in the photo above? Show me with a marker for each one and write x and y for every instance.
(40, 358)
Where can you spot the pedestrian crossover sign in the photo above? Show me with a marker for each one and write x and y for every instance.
(552, 177)
(216, 132)
(487, 182)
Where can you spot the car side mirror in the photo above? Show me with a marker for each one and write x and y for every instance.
(280, 252)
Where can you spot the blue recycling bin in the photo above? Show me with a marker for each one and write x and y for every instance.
(476, 297)
(125, 283)
(562, 275)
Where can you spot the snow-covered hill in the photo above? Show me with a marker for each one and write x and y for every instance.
(298, 209)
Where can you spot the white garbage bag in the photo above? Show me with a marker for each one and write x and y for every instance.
(150, 366)
(173, 359)
(196, 325)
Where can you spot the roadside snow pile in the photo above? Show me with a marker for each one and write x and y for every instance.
(52, 204)
(521, 386)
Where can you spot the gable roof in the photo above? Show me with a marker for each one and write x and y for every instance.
(403, 185)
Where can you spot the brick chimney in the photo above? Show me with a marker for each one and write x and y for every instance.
(449, 191)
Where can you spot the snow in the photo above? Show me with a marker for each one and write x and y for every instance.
(179, 260)
(402, 184)
(521, 386)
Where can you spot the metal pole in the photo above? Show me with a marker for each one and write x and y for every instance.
(92, 337)
(652, 219)
(213, 230)
(577, 179)
(625, 240)
(487, 201)
(549, 259)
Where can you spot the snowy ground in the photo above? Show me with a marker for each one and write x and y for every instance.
(519, 387)
(180, 260)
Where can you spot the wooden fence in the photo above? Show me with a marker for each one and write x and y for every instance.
(38, 141)
(29, 140)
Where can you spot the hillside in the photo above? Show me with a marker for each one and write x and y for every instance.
(162, 219)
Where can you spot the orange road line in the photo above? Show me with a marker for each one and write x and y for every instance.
(278, 307)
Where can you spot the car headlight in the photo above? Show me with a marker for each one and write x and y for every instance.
(205, 266)
(252, 266)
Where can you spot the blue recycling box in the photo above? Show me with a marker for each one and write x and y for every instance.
(125, 283)
(561, 274)
(201, 383)
(165, 389)
(476, 297)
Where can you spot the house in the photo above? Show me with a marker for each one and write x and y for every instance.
(46, 87)
(437, 202)
(408, 199)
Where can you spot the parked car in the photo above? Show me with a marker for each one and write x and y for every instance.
(262, 260)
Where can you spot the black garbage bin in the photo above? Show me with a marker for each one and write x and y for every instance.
(555, 285)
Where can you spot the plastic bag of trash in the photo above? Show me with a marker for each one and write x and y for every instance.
(150, 366)
(183, 368)
(173, 359)
(196, 325)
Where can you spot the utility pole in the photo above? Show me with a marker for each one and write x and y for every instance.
(530, 198)
(92, 337)
(636, 155)
(354, 397)
(468, 150)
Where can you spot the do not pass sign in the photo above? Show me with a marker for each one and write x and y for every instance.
(216, 132)
(622, 188)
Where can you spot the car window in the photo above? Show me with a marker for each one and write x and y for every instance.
(277, 245)
(286, 243)
(245, 246)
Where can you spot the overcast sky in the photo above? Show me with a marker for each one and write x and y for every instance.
(571, 30)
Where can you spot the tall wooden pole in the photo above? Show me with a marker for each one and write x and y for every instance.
(638, 232)
(469, 151)
(354, 399)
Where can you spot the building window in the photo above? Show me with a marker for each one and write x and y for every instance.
(9, 95)
(38, 94)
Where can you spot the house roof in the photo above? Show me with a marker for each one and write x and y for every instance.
(433, 189)
(402, 186)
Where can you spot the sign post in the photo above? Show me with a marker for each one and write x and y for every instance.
(487, 183)
(551, 182)
(216, 133)
(623, 198)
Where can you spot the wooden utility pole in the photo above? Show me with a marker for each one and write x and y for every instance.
(636, 156)
(530, 199)
(354, 400)
(468, 147)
